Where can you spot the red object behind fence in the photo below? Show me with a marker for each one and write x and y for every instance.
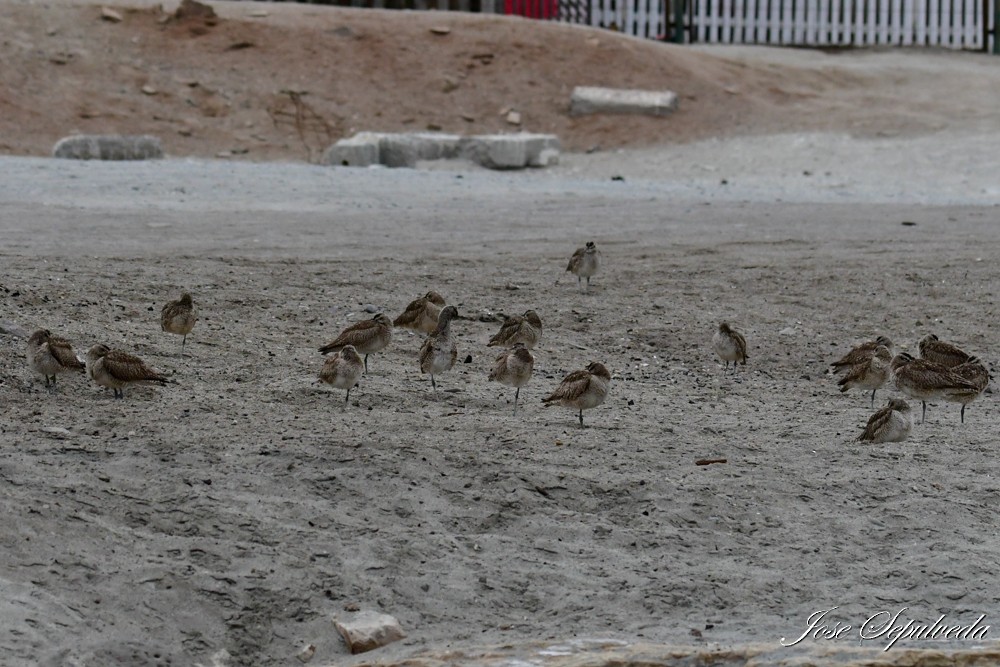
(533, 9)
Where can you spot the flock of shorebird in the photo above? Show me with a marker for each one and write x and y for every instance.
(942, 372)
(50, 355)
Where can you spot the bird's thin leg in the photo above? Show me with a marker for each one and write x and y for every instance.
(518, 391)
(119, 393)
(581, 418)
(588, 283)
(366, 364)
(433, 386)
(347, 398)
(183, 343)
(873, 397)
(963, 414)
(923, 415)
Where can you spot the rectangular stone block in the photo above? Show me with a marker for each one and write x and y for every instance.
(108, 147)
(588, 100)
(511, 151)
(361, 150)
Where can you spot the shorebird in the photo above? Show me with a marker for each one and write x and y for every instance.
(421, 315)
(366, 336)
(927, 381)
(115, 369)
(585, 262)
(582, 390)
(513, 368)
(178, 317)
(942, 353)
(525, 329)
(871, 374)
(730, 345)
(890, 424)
(343, 370)
(438, 353)
(860, 354)
(50, 355)
(975, 372)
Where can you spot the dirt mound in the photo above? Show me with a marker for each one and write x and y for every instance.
(282, 82)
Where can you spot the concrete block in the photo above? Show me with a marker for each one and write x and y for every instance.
(361, 150)
(397, 150)
(404, 150)
(435, 145)
(511, 151)
(588, 100)
(498, 151)
(108, 147)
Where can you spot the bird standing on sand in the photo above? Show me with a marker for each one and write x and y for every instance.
(871, 374)
(927, 381)
(366, 336)
(860, 354)
(50, 355)
(513, 368)
(975, 372)
(439, 351)
(730, 345)
(343, 370)
(179, 317)
(585, 262)
(582, 390)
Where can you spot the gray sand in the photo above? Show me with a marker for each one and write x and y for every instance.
(243, 508)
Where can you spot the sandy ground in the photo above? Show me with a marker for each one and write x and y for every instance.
(243, 508)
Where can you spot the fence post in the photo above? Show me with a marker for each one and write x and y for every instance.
(679, 21)
(996, 27)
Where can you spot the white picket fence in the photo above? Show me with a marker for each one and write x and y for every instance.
(641, 18)
(955, 24)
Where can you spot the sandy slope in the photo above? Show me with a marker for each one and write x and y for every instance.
(283, 81)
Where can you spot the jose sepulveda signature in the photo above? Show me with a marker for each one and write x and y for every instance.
(889, 627)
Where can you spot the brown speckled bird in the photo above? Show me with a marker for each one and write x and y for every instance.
(525, 329)
(439, 351)
(366, 336)
(179, 317)
(421, 315)
(975, 372)
(343, 370)
(946, 354)
(927, 381)
(50, 355)
(585, 262)
(730, 345)
(860, 354)
(513, 368)
(890, 424)
(115, 369)
(582, 390)
(871, 374)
